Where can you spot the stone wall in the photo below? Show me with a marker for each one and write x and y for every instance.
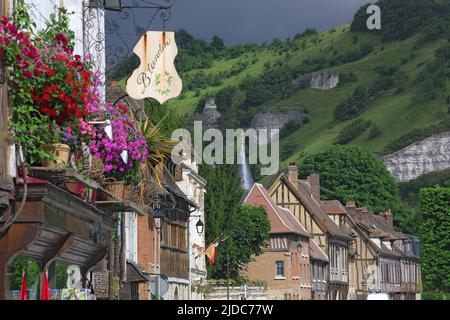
(429, 155)
(237, 293)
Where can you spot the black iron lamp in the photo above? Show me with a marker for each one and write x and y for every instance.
(158, 217)
(200, 226)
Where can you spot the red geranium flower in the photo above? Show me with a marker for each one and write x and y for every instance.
(46, 96)
(12, 28)
(5, 20)
(50, 72)
(122, 108)
(27, 74)
(62, 38)
(5, 40)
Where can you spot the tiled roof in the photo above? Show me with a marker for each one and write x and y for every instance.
(315, 251)
(332, 207)
(281, 219)
(374, 226)
(314, 208)
(292, 221)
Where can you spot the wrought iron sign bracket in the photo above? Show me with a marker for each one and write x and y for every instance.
(116, 13)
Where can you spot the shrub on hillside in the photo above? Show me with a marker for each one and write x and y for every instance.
(403, 18)
(410, 190)
(353, 106)
(352, 131)
(374, 132)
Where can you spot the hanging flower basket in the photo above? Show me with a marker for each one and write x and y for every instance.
(60, 153)
(117, 189)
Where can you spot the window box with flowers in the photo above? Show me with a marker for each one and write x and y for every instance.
(123, 153)
(50, 87)
(57, 106)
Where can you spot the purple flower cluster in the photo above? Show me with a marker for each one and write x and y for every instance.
(125, 137)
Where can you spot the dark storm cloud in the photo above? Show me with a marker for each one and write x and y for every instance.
(238, 21)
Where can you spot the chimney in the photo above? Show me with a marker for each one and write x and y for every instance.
(387, 215)
(350, 206)
(314, 182)
(366, 215)
(293, 173)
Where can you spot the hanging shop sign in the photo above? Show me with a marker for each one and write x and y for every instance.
(156, 76)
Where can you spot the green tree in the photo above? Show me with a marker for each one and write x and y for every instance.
(16, 268)
(217, 44)
(435, 239)
(403, 18)
(351, 173)
(410, 190)
(247, 227)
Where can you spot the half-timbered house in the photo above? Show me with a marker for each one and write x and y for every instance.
(319, 271)
(302, 198)
(386, 261)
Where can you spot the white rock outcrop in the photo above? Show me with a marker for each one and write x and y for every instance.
(318, 80)
(429, 155)
(272, 120)
(324, 81)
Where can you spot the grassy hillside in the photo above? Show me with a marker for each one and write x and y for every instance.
(406, 82)
(394, 113)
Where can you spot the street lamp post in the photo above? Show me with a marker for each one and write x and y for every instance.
(200, 228)
(158, 218)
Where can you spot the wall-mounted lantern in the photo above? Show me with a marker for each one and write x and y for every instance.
(158, 217)
(200, 226)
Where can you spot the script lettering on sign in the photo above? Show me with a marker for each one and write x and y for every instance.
(156, 76)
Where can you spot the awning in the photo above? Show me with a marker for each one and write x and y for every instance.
(136, 273)
(181, 195)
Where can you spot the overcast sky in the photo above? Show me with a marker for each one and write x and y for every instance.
(240, 21)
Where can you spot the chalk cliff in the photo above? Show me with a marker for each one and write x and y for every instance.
(431, 154)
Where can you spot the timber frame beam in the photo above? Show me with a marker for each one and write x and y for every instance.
(96, 258)
(63, 244)
(20, 236)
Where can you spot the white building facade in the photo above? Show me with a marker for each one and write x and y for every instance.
(193, 186)
(86, 21)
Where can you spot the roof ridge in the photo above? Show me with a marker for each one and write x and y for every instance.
(295, 220)
(261, 188)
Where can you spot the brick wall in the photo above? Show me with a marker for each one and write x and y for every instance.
(296, 284)
(145, 247)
